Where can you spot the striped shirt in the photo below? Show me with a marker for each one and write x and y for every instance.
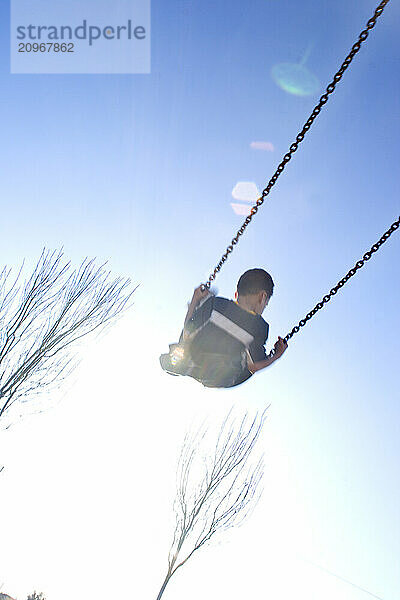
(220, 327)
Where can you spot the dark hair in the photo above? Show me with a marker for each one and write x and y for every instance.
(254, 281)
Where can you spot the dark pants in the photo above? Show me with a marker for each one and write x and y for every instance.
(211, 369)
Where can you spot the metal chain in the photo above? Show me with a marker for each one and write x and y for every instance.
(299, 138)
(345, 279)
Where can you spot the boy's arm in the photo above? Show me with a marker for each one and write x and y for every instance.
(198, 296)
(279, 347)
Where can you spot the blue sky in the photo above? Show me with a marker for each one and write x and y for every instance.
(139, 170)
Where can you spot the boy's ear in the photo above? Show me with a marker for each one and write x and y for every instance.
(236, 295)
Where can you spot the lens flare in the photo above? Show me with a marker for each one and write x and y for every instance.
(265, 146)
(241, 209)
(245, 191)
(177, 355)
(295, 79)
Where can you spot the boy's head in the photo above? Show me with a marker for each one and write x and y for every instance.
(255, 287)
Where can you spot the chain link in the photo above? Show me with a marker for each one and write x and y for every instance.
(299, 138)
(345, 279)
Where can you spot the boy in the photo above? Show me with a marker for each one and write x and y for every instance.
(222, 342)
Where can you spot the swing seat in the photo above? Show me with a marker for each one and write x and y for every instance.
(211, 369)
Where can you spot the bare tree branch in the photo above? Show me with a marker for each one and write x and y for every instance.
(41, 319)
(215, 491)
